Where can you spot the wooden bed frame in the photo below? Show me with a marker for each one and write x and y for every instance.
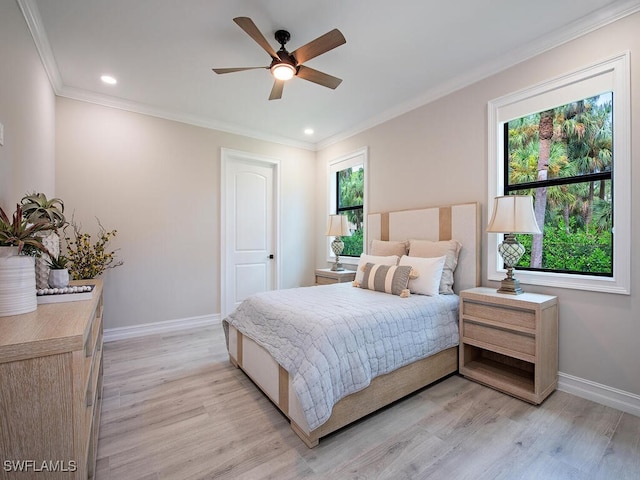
(460, 222)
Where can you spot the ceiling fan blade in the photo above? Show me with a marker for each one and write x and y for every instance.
(276, 91)
(320, 78)
(246, 24)
(320, 45)
(220, 71)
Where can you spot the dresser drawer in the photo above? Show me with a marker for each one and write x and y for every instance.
(503, 339)
(508, 316)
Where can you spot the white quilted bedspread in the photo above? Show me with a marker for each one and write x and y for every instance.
(334, 339)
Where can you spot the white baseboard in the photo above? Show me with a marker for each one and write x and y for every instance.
(121, 333)
(609, 396)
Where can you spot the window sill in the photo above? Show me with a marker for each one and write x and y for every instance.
(559, 280)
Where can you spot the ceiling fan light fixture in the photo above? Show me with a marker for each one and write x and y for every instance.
(283, 71)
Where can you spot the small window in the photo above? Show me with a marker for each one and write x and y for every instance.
(347, 196)
(350, 201)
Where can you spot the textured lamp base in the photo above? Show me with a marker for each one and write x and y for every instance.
(511, 251)
(337, 246)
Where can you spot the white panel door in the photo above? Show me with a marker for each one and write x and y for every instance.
(249, 231)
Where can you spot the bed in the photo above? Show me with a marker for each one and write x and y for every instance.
(275, 362)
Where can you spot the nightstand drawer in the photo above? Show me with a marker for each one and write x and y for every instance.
(502, 314)
(325, 280)
(514, 341)
(326, 276)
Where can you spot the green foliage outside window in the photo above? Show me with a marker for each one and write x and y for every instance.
(353, 244)
(563, 157)
(350, 202)
(571, 249)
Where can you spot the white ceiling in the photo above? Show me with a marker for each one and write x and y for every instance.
(399, 54)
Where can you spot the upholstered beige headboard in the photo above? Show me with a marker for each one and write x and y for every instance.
(450, 222)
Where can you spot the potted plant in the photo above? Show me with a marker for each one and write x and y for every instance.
(58, 271)
(17, 272)
(89, 259)
(37, 207)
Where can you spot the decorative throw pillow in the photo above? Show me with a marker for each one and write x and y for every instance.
(382, 260)
(429, 249)
(388, 247)
(427, 282)
(386, 278)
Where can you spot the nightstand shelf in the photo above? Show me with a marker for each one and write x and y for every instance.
(510, 342)
(501, 375)
(326, 276)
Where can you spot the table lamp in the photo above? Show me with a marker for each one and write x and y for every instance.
(512, 214)
(338, 227)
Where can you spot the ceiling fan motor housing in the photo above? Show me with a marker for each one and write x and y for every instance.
(282, 37)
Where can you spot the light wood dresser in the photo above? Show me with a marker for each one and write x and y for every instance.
(510, 342)
(51, 389)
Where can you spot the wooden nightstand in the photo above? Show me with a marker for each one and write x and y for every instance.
(325, 276)
(510, 342)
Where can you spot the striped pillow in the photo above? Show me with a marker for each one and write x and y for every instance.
(386, 278)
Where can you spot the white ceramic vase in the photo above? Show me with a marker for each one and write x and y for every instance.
(58, 278)
(17, 283)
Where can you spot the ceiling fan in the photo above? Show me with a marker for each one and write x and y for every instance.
(285, 65)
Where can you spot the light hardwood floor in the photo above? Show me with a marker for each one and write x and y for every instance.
(174, 408)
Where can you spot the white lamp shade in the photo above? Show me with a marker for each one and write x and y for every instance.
(513, 214)
(338, 226)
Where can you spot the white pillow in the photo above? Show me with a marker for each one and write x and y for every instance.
(429, 249)
(429, 274)
(379, 260)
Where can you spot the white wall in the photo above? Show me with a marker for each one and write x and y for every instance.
(437, 154)
(27, 111)
(157, 182)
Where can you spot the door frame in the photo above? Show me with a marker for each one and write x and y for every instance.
(227, 157)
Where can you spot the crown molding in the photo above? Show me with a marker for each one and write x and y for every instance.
(31, 15)
(587, 24)
(136, 107)
(577, 29)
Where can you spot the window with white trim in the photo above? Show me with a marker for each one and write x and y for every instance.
(567, 143)
(347, 196)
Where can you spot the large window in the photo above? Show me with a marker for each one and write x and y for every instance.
(347, 194)
(563, 157)
(567, 143)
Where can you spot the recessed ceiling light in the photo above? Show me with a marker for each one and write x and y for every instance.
(108, 79)
(308, 131)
